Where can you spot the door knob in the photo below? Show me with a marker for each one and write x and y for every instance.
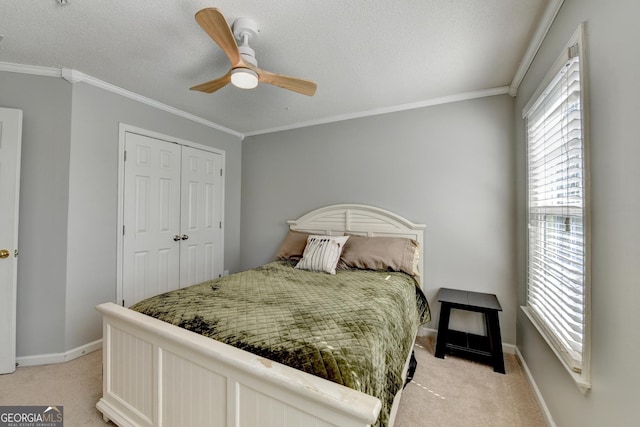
(176, 238)
(185, 237)
(4, 253)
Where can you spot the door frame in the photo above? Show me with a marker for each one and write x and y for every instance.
(122, 132)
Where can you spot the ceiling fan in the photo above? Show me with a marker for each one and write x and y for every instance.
(244, 72)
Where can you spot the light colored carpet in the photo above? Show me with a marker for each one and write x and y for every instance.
(455, 392)
(75, 385)
(450, 392)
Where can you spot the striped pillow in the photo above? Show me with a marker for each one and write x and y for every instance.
(322, 253)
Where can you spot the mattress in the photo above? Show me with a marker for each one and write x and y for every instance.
(354, 328)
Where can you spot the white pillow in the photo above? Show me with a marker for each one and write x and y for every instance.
(322, 253)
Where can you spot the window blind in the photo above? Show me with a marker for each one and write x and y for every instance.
(556, 193)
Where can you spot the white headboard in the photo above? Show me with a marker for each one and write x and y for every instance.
(360, 219)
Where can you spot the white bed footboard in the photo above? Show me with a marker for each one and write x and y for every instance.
(157, 374)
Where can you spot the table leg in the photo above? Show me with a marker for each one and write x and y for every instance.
(443, 328)
(495, 340)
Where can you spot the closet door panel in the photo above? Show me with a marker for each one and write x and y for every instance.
(151, 255)
(201, 247)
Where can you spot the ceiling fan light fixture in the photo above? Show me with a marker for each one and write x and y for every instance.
(244, 71)
(244, 78)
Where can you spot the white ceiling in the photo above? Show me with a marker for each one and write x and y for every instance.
(365, 55)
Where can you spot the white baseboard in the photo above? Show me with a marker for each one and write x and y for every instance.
(47, 359)
(536, 391)
(429, 332)
(508, 348)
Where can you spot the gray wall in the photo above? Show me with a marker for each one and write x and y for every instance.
(44, 197)
(449, 167)
(93, 196)
(613, 65)
(68, 203)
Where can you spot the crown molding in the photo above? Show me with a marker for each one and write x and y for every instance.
(74, 76)
(534, 45)
(30, 69)
(159, 105)
(396, 108)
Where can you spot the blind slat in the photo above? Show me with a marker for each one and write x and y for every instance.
(556, 265)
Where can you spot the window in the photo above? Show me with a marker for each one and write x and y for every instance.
(557, 265)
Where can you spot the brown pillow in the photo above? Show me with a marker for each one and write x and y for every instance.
(293, 245)
(381, 253)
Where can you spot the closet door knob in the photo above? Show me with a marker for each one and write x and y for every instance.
(4, 253)
(176, 238)
(185, 237)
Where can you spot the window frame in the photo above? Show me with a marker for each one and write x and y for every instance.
(582, 378)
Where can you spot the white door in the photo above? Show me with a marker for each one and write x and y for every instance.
(201, 224)
(172, 217)
(151, 243)
(10, 143)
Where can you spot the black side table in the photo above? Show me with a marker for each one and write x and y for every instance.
(487, 348)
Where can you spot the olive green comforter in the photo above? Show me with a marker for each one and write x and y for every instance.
(354, 328)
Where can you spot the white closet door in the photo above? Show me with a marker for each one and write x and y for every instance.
(201, 249)
(151, 244)
(10, 143)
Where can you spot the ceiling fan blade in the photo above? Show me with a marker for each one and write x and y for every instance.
(294, 84)
(213, 23)
(214, 85)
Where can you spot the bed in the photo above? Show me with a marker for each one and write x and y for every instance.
(165, 370)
